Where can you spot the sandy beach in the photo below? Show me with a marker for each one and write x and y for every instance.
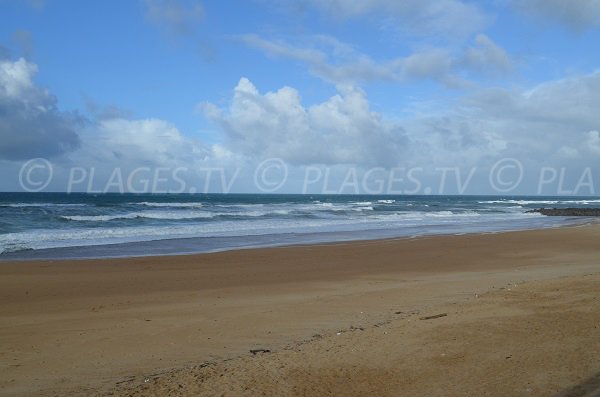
(514, 313)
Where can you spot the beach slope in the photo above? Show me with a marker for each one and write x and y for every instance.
(513, 313)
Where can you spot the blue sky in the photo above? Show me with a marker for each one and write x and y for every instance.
(332, 84)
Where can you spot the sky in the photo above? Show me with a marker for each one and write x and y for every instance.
(300, 96)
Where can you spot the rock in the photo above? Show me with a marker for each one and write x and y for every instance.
(567, 211)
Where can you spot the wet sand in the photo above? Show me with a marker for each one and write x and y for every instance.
(522, 317)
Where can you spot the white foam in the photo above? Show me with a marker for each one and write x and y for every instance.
(354, 206)
(24, 205)
(176, 215)
(525, 202)
(166, 215)
(97, 218)
(176, 205)
(365, 208)
(422, 216)
(239, 220)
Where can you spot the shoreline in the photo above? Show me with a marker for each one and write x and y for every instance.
(82, 252)
(117, 318)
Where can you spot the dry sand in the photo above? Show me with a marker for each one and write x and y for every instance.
(522, 317)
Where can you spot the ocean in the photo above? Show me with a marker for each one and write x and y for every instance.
(60, 225)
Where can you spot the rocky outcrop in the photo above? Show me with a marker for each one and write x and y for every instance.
(568, 211)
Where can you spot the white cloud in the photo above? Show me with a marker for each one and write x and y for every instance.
(593, 142)
(435, 64)
(339, 63)
(552, 122)
(16, 78)
(576, 15)
(568, 104)
(31, 126)
(140, 155)
(530, 125)
(140, 142)
(175, 15)
(445, 19)
(342, 129)
(30, 123)
(281, 49)
(487, 57)
(329, 59)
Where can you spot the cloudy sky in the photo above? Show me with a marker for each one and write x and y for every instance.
(327, 96)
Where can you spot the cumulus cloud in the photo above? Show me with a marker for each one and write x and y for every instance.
(145, 142)
(176, 16)
(341, 130)
(121, 154)
(31, 125)
(137, 155)
(575, 15)
(570, 104)
(487, 57)
(442, 19)
(551, 124)
(546, 125)
(341, 64)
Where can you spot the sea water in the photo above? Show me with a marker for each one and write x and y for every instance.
(60, 225)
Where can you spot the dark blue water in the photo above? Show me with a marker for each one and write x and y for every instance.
(53, 225)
